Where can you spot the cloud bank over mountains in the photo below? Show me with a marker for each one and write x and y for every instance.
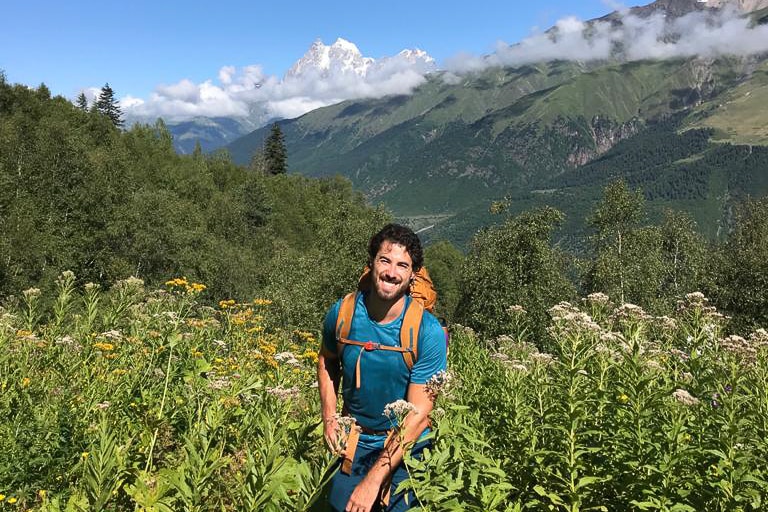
(328, 74)
(704, 33)
(323, 76)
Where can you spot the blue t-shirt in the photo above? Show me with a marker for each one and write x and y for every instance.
(384, 376)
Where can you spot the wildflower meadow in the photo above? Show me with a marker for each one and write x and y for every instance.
(140, 399)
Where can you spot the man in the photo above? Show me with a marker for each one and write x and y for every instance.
(373, 378)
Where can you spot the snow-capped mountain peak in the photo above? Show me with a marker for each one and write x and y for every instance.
(344, 57)
(416, 55)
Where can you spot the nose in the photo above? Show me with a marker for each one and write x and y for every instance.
(389, 271)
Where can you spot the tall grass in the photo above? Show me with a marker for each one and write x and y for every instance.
(134, 399)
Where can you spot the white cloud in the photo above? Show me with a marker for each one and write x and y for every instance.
(700, 33)
(249, 92)
(225, 74)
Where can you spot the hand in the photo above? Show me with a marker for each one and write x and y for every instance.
(363, 497)
(331, 435)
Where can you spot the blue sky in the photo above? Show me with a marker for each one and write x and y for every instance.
(138, 45)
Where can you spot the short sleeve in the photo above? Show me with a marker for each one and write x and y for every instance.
(329, 328)
(433, 351)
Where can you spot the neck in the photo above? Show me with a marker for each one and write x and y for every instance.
(383, 311)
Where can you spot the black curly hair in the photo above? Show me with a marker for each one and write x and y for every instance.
(401, 235)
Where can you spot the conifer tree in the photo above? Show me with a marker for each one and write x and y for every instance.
(82, 102)
(107, 104)
(275, 153)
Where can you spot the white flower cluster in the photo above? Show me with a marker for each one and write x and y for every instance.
(684, 397)
(567, 316)
(630, 312)
(284, 393)
(288, 358)
(437, 384)
(399, 409)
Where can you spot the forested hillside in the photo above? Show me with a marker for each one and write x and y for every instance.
(78, 194)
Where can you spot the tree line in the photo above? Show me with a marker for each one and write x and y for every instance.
(78, 193)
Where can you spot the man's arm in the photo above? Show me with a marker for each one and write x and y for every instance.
(328, 379)
(364, 496)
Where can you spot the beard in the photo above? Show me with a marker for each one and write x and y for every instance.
(390, 289)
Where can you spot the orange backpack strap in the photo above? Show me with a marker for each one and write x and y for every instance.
(409, 332)
(344, 319)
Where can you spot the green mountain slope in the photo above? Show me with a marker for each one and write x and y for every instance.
(456, 145)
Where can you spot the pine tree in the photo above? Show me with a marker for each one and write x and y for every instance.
(82, 102)
(109, 106)
(275, 153)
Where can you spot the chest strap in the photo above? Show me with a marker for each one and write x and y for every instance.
(367, 346)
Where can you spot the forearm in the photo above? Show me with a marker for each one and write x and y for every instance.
(392, 454)
(328, 379)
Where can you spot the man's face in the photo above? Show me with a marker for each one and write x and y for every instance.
(392, 271)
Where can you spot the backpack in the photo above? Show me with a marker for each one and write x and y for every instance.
(424, 295)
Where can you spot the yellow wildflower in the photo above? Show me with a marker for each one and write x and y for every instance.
(309, 354)
(25, 382)
(104, 347)
(196, 287)
(224, 304)
(2, 497)
(262, 302)
(305, 336)
(84, 455)
(42, 493)
(623, 398)
(12, 500)
(179, 281)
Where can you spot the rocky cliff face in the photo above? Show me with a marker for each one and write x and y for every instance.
(603, 135)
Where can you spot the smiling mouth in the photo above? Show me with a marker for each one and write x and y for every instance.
(388, 284)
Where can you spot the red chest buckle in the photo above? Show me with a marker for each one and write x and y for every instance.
(369, 345)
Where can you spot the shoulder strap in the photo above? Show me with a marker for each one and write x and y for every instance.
(344, 319)
(409, 332)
